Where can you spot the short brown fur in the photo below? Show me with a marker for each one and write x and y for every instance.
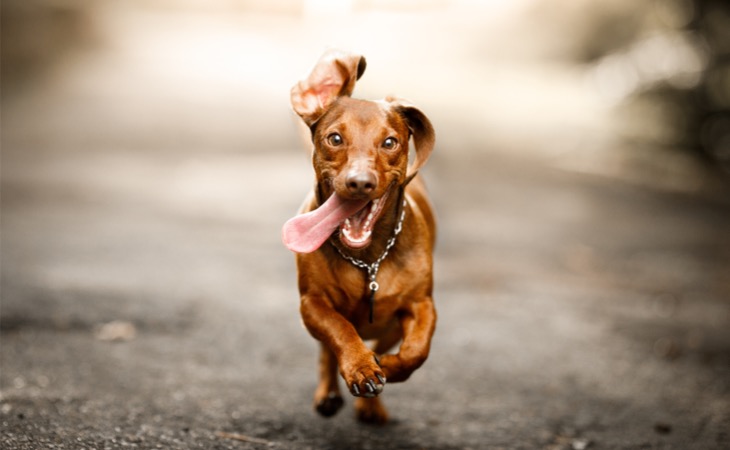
(334, 292)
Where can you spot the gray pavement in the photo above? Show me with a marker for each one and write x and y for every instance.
(147, 301)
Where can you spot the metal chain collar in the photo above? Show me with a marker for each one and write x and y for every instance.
(373, 268)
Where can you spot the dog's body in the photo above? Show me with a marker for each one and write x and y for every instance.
(366, 230)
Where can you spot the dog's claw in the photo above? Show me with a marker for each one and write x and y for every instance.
(370, 389)
(370, 386)
(380, 378)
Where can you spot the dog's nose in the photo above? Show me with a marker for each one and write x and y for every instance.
(361, 182)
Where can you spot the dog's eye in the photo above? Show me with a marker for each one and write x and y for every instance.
(334, 139)
(390, 143)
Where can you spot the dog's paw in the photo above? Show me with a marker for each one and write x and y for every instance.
(329, 405)
(365, 379)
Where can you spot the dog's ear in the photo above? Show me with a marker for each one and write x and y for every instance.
(333, 76)
(424, 138)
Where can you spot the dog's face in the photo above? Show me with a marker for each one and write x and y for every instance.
(360, 147)
(361, 153)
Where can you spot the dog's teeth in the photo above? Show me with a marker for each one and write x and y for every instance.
(359, 240)
(348, 232)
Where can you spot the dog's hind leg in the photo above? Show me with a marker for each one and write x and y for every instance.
(327, 397)
(371, 410)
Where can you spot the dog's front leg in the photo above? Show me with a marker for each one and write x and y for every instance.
(418, 323)
(358, 364)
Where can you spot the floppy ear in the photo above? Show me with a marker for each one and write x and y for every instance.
(424, 138)
(333, 76)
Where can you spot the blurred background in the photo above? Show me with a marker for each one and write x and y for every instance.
(561, 82)
(581, 177)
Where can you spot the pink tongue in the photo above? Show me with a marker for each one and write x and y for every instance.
(305, 233)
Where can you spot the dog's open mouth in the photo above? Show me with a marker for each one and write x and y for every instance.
(357, 230)
(355, 220)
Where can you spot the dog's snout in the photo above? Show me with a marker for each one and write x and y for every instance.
(361, 182)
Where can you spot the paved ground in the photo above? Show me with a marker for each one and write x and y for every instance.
(576, 310)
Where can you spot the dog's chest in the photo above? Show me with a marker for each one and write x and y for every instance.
(393, 293)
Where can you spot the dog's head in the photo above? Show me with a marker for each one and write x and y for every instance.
(361, 147)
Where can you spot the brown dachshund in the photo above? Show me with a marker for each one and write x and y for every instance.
(364, 237)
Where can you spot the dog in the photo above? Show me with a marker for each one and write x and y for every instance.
(364, 237)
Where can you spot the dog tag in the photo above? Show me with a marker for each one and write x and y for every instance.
(371, 300)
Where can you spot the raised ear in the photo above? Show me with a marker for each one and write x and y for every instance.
(333, 76)
(424, 138)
